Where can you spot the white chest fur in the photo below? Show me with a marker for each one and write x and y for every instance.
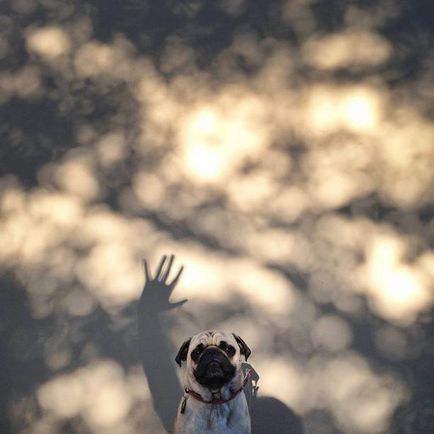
(228, 418)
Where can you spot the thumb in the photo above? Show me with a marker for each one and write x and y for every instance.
(178, 303)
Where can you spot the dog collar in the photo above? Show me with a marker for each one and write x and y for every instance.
(214, 401)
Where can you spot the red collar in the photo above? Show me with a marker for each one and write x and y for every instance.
(216, 401)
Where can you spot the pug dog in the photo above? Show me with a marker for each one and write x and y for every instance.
(213, 380)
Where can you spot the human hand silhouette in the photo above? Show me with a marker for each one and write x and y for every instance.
(155, 347)
(158, 289)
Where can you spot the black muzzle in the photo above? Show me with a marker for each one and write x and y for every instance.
(214, 369)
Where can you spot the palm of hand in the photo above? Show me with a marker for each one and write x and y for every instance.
(158, 289)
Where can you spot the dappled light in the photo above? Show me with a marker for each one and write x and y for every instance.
(283, 153)
(209, 279)
(48, 42)
(98, 391)
(351, 48)
(399, 291)
(361, 399)
(355, 108)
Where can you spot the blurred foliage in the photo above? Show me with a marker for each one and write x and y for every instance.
(283, 150)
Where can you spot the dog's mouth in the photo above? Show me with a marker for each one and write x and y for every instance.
(214, 370)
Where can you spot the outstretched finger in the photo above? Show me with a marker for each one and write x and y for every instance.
(167, 270)
(147, 275)
(175, 280)
(160, 267)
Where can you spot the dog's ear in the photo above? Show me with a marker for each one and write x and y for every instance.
(245, 350)
(182, 353)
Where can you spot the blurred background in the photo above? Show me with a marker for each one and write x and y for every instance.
(283, 150)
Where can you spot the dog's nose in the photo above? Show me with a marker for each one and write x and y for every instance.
(212, 354)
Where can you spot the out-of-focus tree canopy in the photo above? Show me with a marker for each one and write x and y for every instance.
(283, 150)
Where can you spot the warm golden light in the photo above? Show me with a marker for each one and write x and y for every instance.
(399, 291)
(263, 289)
(97, 392)
(49, 42)
(360, 111)
(293, 180)
(353, 108)
(351, 48)
(215, 140)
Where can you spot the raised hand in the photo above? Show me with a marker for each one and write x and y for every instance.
(158, 289)
(155, 348)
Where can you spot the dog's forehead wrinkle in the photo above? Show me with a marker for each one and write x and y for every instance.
(212, 337)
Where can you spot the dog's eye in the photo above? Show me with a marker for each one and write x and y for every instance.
(197, 352)
(228, 349)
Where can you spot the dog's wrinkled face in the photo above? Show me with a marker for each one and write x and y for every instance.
(213, 357)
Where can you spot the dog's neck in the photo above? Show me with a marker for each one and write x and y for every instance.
(219, 396)
(216, 394)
